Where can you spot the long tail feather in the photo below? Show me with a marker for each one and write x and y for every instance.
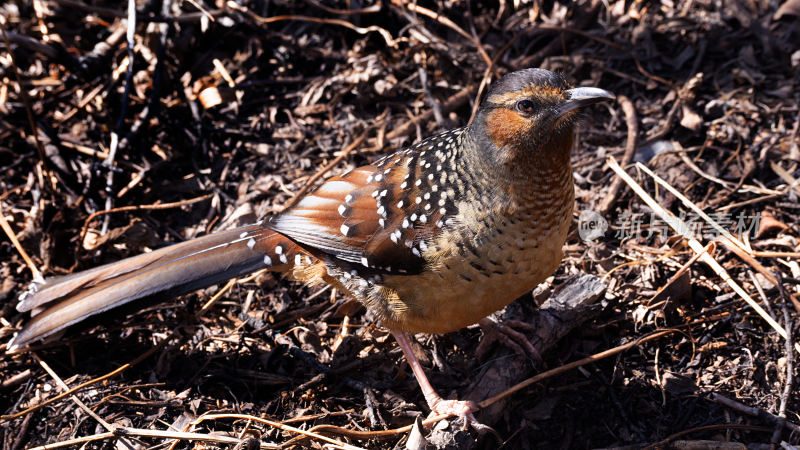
(164, 273)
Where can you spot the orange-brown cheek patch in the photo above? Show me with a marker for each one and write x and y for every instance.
(505, 127)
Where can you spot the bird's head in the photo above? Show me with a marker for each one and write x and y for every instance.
(529, 116)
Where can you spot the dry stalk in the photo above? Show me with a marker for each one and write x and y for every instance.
(630, 149)
(390, 41)
(85, 385)
(121, 432)
(691, 205)
(24, 95)
(141, 208)
(679, 225)
(37, 276)
(121, 369)
(278, 425)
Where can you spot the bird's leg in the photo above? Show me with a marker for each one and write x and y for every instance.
(462, 409)
(503, 333)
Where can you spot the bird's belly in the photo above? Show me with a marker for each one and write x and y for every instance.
(465, 287)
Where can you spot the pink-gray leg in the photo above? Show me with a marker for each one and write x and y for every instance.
(462, 409)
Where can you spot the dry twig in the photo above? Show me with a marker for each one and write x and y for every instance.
(679, 226)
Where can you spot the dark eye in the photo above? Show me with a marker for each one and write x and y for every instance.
(525, 106)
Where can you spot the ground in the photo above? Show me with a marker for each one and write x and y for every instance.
(227, 113)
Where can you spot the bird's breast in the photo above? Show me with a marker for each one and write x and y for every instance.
(483, 261)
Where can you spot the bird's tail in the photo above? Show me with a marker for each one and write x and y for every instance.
(167, 272)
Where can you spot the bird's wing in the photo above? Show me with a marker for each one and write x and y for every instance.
(383, 216)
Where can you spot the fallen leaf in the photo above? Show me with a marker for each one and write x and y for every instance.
(791, 7)
(416, 438)
(769, 224)
(677, 384)
(691, 119)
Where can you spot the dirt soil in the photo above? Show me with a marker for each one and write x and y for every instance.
(220, 113)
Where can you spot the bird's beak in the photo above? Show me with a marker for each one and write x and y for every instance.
(583, 96)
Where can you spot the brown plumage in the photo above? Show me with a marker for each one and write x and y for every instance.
(431, 239)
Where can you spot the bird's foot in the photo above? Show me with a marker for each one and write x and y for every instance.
(505, 334)
(461, 409)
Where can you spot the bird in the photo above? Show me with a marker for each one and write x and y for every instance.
(431, 238)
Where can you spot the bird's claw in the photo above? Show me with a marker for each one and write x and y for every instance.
(463, 410)
(505, 334)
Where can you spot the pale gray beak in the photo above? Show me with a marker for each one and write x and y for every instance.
(583, 96)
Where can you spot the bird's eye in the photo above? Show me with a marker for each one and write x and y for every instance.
(525, 106)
